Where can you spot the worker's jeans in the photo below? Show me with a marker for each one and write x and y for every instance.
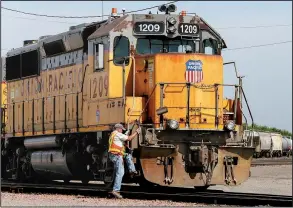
(119, 168)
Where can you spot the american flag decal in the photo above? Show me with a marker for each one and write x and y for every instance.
(194, 73)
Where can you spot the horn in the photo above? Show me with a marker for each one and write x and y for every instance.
(172, 8)
(162, 8)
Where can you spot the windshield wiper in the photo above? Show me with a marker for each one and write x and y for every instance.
(118, 41)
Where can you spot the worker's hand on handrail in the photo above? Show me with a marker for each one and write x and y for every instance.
(138, 130)
(134, 134)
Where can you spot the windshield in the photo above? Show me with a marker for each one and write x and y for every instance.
(152, 46)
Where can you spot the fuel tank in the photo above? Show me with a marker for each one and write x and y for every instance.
(47, 142)
(53, 164)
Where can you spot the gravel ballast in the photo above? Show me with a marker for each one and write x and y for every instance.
(9, 199)
(263, 180)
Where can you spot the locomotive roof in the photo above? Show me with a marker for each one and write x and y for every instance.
(102, 28)
(105, 28)
(50, 38)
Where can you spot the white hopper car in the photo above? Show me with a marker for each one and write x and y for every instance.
(268, 144)
(287, 146)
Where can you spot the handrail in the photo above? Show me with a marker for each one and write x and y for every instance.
(40, 98)
(146, 104)
(43, 112)
(244, 117)
(133, 88)
(123, 81)
(238, 87)
(252, 121)
(188, 84)
(167, 83)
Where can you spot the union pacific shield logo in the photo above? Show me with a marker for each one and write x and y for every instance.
(194, 73)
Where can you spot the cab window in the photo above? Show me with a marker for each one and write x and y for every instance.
(156, 45)
(121, 49)
(210, 46)
(99, 56)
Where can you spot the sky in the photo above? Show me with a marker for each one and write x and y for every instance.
(267, 70)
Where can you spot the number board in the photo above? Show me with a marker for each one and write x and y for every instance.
(188, 29)
(149, 27)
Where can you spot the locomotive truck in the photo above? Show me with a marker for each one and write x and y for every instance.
(161, 72)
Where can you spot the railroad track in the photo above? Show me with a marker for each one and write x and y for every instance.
(262, 162)
(159, 193)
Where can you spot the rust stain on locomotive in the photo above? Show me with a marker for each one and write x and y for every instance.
(123, 26)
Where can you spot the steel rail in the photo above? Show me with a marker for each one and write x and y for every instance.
(271, 162)
(162, 193)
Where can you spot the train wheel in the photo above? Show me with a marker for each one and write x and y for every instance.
(268, 154)
(201, 188)
(42, 180)
(146, 184)
(66, 181)
(4, 174)
(109, 175)
(109, 184)
(85, 181)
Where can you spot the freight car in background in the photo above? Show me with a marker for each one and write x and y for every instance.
(276, 147)
(161, 72)
(287, 146)
(268, 144)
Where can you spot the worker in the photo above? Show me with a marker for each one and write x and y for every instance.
(117, 153)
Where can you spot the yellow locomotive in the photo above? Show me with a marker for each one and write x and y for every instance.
(162, 72)
(3, 103)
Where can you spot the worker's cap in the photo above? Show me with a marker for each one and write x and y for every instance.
(120, 126)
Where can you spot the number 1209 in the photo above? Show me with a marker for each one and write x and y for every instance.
(149, 27)
(188, 29)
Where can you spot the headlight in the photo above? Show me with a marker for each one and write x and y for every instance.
(172, 20)
(172, 29)
(173, 124)
(230, 125)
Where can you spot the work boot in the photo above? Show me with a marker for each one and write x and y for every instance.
(116, 194)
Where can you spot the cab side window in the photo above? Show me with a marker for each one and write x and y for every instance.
(121, 49)
(210, 46)
(99, 56)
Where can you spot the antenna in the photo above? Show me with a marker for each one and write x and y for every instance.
(102, 10)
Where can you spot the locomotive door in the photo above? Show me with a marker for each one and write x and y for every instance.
(94, 80)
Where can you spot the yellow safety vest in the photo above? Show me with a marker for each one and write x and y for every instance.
(113, 148)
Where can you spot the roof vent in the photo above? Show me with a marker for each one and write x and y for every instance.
(78, 26)
(43, 37)
(29, 42)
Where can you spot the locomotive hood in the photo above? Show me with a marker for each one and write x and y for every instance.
(174, 71)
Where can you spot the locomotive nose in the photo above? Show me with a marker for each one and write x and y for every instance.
(181, 81)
